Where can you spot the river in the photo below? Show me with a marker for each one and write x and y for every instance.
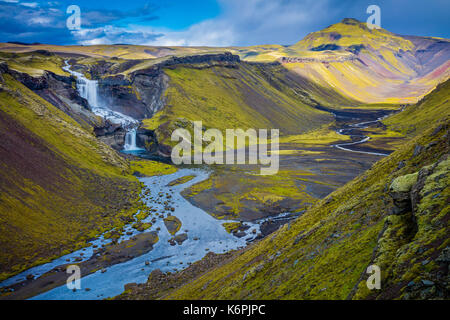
(205, 234)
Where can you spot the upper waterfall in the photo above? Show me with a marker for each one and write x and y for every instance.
(88, 89)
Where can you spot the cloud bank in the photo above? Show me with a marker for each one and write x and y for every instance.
(239, 23)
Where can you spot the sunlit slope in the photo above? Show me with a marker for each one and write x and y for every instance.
(33, 64)
(121, 51)
(372, 65)
(242, 96)
(325, 252)
(59, 186)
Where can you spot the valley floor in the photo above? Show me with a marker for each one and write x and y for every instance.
(311, 167)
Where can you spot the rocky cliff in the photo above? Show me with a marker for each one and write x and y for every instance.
(60, 91)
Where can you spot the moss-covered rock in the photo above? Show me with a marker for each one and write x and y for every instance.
(404, 183)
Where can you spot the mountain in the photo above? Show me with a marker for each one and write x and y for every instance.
(394, 215)
(372, 66)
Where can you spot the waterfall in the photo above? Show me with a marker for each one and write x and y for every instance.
(130, 141)
(88, 89)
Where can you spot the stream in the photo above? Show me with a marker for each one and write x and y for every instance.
(204, 234)
(349, 129)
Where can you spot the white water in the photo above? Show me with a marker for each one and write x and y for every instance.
(88, 89)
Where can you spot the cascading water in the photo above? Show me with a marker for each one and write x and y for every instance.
(130, 141)
(88, 89)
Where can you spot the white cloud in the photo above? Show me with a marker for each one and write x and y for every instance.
(251, 22)
(40, 20)
(30, 4)
(248, 22)
(112, 35)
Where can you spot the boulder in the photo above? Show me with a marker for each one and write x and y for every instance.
(181, 238)
(400, 191)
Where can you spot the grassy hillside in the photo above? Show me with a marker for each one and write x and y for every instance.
(34, 63)
(244, 96)
(59, 186)
(130, 52)
(417, 118)
(395, 215)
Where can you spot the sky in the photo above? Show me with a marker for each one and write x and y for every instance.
(208, 22)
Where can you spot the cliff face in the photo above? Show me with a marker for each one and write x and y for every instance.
(59, 91)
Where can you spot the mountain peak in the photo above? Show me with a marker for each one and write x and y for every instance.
(349, 33)
(351, 21)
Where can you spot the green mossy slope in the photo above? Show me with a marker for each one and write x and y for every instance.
(59, 186)
(418, 117)
(242, 96)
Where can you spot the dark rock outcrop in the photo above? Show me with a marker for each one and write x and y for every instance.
(147, 139)
(400, 191)
(111, 134)
(59, 91)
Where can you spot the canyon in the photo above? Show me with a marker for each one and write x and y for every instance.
(87, 177)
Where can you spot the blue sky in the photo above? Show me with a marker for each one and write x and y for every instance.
(208, 22)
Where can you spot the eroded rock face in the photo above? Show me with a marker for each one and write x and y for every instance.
(115, 139)
(400, 191)
(147, 139)
(140, 93)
